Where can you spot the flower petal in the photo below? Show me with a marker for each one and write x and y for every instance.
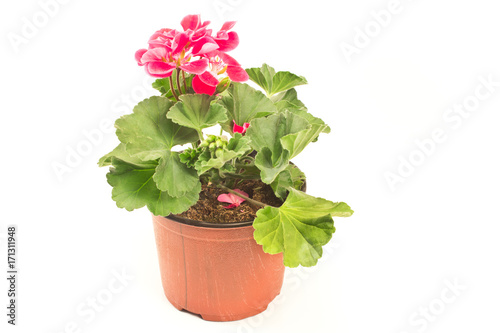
(200, 33)
(179, 42)
(209, 78)
(159, 69)
(231, 198)
(228, 60)
(232, 41)
(228, 25)
(222, 35)
(240, 129)
(237, 74)
(195, 67)
(138, 56)
(204, 45)
(152, 55)
(191, 22)
(200, 87)
(231, 206)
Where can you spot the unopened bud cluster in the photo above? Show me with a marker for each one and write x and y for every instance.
(214, 143)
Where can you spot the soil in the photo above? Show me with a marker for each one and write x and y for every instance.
(209, 209)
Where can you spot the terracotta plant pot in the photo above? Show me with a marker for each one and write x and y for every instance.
(216, 270)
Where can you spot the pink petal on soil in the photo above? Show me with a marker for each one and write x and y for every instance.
(231, 198)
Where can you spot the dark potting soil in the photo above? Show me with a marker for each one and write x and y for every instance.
(209, 209)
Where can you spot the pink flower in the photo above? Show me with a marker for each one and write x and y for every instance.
(170, 49)
(160, 61)
(219, 63)
(240, 129)
(231, 198)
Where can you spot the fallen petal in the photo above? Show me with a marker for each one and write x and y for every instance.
(231, 198)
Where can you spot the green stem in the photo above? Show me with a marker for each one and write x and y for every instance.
(240, 176)
(255, 202)
(184, 79)
(171, 82)
(179, 81)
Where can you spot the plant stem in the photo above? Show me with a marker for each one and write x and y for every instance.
(179, 82)
(255, 202)
(171, 82)
(184, 79)
(240, 176)
(200, 135)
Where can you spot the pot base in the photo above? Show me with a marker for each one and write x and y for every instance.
(216, 317)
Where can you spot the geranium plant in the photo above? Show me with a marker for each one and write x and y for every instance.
(201, 86)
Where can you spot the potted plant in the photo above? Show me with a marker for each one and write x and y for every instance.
(222, 261)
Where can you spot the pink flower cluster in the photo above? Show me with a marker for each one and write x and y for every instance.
(171, 49)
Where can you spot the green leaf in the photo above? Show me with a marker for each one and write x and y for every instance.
(281, 184)
(236, 147)
(197, 112)
(290, 177)
(271, 164)
(298, 177)
(132, 183)
(189, 156)
(290, 96)
(266, 134)
(133, 187)
(296, 142)
(283, 81)
(263, 76)
(174, 176)
(299, 228)
(147, 133)
(164, 205)
(162, 85)
(288, 101)
(272, 82)
(120, 153)
(244, 103)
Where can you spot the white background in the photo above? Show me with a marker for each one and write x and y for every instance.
(386, 263)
